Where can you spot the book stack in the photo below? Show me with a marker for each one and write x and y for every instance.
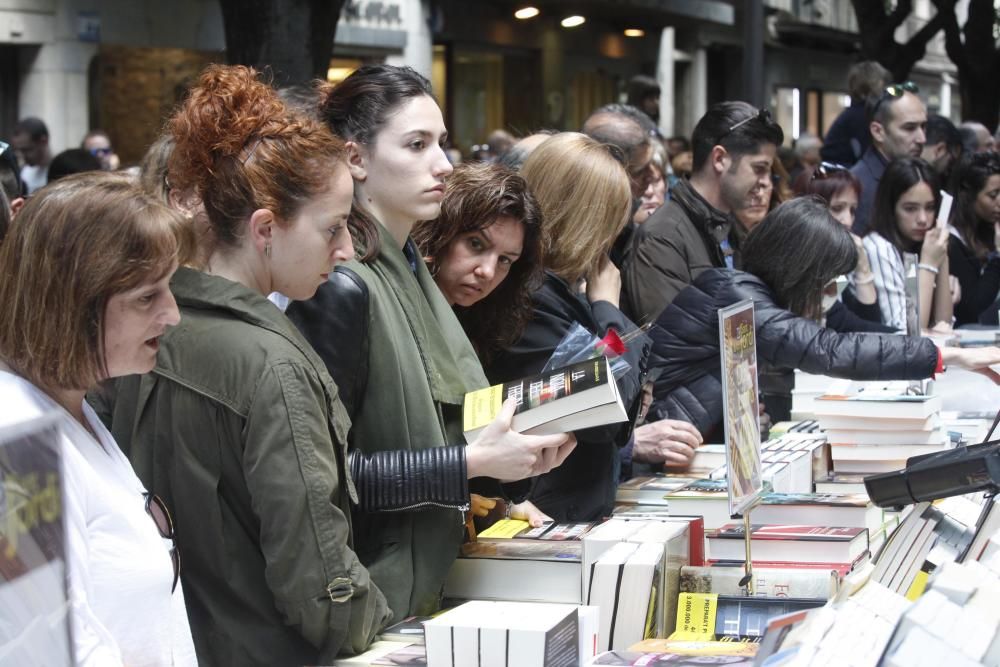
(511, 634)
(511, 561)
(876, 428)
(808, 387)
(829, 545)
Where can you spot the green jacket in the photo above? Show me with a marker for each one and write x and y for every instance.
(240, 430)
(420, 365)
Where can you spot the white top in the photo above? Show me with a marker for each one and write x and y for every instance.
(34, 177)
(889, 271)
(120, 571)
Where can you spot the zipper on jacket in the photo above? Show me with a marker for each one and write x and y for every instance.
(429, 503)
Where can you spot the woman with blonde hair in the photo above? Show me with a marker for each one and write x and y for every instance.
(91, 307)
(585, 199)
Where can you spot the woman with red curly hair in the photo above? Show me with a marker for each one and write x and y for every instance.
(239, 427)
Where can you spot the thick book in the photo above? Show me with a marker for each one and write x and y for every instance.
(875, 404)
(532, 570)
(628, 658)
(709, 616)
(505, 634)
(817, 583)
(649, 490)
(819, 509)
(795, 543)
(575, 397)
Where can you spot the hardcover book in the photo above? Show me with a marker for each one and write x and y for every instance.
(793, 543)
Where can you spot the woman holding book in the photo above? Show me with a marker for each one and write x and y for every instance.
(396, 350)
(584, 196)
(788, 303)
(974, 244)
(903, 224)
(59, 337)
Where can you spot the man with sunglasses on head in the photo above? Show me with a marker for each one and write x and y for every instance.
(897, 122)
(734, 147)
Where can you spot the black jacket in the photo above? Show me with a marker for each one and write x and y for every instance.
(582, 488)
(686, 348)
(679, 241)
(980, 283)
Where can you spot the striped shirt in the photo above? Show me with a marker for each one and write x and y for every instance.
(890, 280)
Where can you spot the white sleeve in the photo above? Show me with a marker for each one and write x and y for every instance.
(93, 645)
(890, 283)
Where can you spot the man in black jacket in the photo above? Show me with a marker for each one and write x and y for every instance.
(734, 147)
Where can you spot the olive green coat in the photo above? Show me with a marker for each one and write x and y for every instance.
(240, 430)
(420, 366)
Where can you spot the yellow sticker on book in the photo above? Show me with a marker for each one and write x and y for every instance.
(481, 407)
(505, 529)
(696, 615)
(918, 586)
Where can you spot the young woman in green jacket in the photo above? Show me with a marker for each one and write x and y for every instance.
(395, 348)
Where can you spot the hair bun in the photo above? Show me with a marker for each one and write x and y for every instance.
(225, 110)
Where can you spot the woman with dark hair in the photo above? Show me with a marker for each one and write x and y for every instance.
(788, 301)
(485, 253)
(59, 338)
(398, 354)
(841, 191)
(974, 244)
(903, 224)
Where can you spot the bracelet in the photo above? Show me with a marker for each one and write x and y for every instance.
(928, 267)
(869, 279)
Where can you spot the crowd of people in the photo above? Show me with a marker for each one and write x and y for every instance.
(259, 343)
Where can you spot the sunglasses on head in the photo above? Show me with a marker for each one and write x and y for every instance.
(762, 115)
(100, 152)
(894, 91)
(157, 509)
(826, 169)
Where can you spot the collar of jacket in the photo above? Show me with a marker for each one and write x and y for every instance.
(449, 361)
(710, 220)
(875, 161)
(196, 289)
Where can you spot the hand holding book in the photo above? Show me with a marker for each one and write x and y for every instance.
(504, 454)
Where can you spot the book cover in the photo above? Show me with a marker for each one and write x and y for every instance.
(777, 583)
(627, 658)
(803, 533)
(581, 395)
(504, 529)
(567, 532)
(741, 412)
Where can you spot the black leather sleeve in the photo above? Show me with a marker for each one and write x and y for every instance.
(409, 479)
(335, 322)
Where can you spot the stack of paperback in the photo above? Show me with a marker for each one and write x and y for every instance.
(876, 428)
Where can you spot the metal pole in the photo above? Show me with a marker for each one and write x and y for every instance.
(753, 52)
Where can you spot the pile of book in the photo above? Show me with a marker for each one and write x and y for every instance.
(875, 428)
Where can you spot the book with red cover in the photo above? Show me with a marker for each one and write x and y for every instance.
(801, 544)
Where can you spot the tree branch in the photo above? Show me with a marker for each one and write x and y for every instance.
(898, 15)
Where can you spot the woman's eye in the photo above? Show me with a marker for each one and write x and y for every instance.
(417, 145)
(506, 261)
(475, 243)
(146, 299)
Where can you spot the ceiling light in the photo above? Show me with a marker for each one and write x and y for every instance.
(526, 13)
(635, 32)
(573, 21)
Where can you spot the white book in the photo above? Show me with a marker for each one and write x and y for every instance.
(638, 595)
(599, 540)
(841, 452)
(604, 589)
(897, 437)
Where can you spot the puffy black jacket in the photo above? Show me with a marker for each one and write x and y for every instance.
(685, 356)
(583, 487)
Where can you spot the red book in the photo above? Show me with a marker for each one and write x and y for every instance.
(797, 544)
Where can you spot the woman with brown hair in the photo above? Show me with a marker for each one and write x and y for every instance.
(91, 307)
(484, 251)
(586, 200)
